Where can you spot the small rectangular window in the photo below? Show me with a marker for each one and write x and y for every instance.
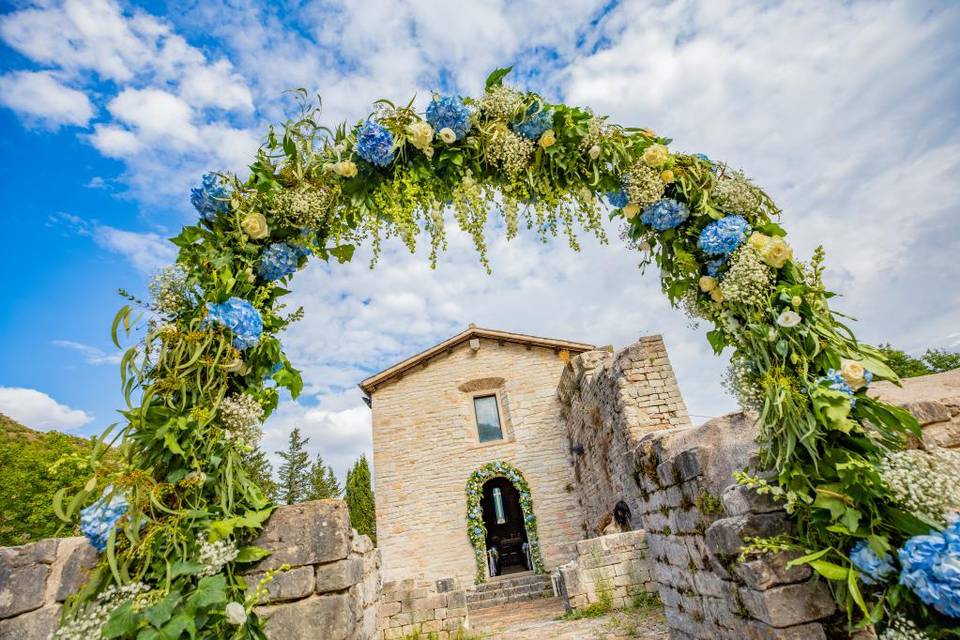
(488, 418)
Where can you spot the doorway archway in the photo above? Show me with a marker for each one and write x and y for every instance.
(511, 534)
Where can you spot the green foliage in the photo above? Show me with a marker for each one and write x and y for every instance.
(294, 476)
(932, 361)
(260, 472)
(359, 498)
(323, 483)
(33, 467)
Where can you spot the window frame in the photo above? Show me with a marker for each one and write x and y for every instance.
(505, 435)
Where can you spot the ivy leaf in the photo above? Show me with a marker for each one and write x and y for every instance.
(716, 340)
(184, 568)
(251, 554)
(122, 621)
(170, 440)
(772, 229)
(210, 591)
(159, 613)
(343, 253)
(495, 79)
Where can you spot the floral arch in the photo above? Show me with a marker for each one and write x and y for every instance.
(175, 514)
(477, 530)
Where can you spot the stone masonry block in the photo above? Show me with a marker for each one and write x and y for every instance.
(286, 585)
(306, 533)
(726, 537)
(35, 625)
(740, 500)
(789, 605)
(764, 573)
(340, 575)
(331, 617)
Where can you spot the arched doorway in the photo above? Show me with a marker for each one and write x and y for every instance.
(506, 540)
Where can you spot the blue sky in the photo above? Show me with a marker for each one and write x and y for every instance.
(846, 112)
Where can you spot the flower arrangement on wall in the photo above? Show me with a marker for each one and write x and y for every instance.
(477, 530)
(175, 520)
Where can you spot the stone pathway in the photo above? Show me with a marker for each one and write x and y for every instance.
(540, 620)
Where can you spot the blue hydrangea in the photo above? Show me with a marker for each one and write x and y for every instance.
(279, 260)
(99, 519)
(714, 266)
(931, 568)
(873, 569)
(210, 197)
(375, 143)
(618, 199)
(722, 237)
(449, 112)
(535, 124)
(240, 317)
(665, 214)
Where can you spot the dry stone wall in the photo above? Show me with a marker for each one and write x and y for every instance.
(697, 520)
(610, 401)
(613, 566)
(412, 606)
(934, 401)
(331, 590)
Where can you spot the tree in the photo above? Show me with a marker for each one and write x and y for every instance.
(360, 499)
(323, 482)
(260, 472)
(933, 361)
(294, 471)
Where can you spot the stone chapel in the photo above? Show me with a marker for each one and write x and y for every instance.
(556, 411)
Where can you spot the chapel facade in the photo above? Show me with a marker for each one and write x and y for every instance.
(487, 397)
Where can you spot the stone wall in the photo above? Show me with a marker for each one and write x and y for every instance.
(610, 401)
(425, 606)
(331, 590)
(697, 519)
(612, 566)
(933, 400)
(425, 446)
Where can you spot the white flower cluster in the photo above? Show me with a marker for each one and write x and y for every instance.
(927, 484)
(740, 380)
(215, 555)
(305, 206)
(597, 131)
(168, 289)
(748, 281)
(240, 416)
(903, 629)
(501, 103)
(643, 185)
(509, 150)
(734, 193)
(88, 624)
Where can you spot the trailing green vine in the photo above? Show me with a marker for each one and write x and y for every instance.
(175, 520)
(477, 530)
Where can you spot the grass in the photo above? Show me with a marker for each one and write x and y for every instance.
(459, 634)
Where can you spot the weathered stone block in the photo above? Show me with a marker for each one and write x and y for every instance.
(286, 585)
(307, 533)
(789, 605)
(35, 625)
(75, 558)
(771, 571)
(340, 575)
(739, 500)
(928, 411)
(23, 580)
(726, 537)
(331, 617)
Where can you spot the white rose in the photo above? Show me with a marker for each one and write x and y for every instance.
(789, 318)
(594, 152)
(235, 613)
(655, 155)
(853, 373)
(447, 135)
(346, 168)
(548, 139)
(716, 295)
(420, 133)
(645, 247)
(255, 226)
(428, 151)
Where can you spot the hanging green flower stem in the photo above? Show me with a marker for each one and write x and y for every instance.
(477, 530)
(175, 522)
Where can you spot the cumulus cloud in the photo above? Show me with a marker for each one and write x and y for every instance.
(37, 410)
(91, 355)
(38, 96)
(147, 252)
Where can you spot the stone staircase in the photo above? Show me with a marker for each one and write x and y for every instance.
(510, 588)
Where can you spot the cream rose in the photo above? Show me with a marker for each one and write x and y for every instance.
(548, 139)
(428, 151)
(776, 252)
(420, 134)
(447, 135)
(716, 295)
(853, 373)
(666, 176)
(255, 226)
(655, 155)
(758, 241)
(235, 613)
(345, 168)
(631, 210)
(796, 301)
(707, 284)
(594, 152)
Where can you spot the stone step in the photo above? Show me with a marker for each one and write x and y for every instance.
(498, 602)
(508, 581)
(506, 593)
(506, 590)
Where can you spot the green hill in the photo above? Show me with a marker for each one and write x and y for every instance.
(28, 482)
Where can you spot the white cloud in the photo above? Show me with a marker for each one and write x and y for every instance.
(216, 85)
(37, 410)
(147, 252)
(39, 96)
(91, 354)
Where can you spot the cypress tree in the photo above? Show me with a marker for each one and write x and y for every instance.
(323, 482)
(295, 470)
(360, 499)
(260, 472)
